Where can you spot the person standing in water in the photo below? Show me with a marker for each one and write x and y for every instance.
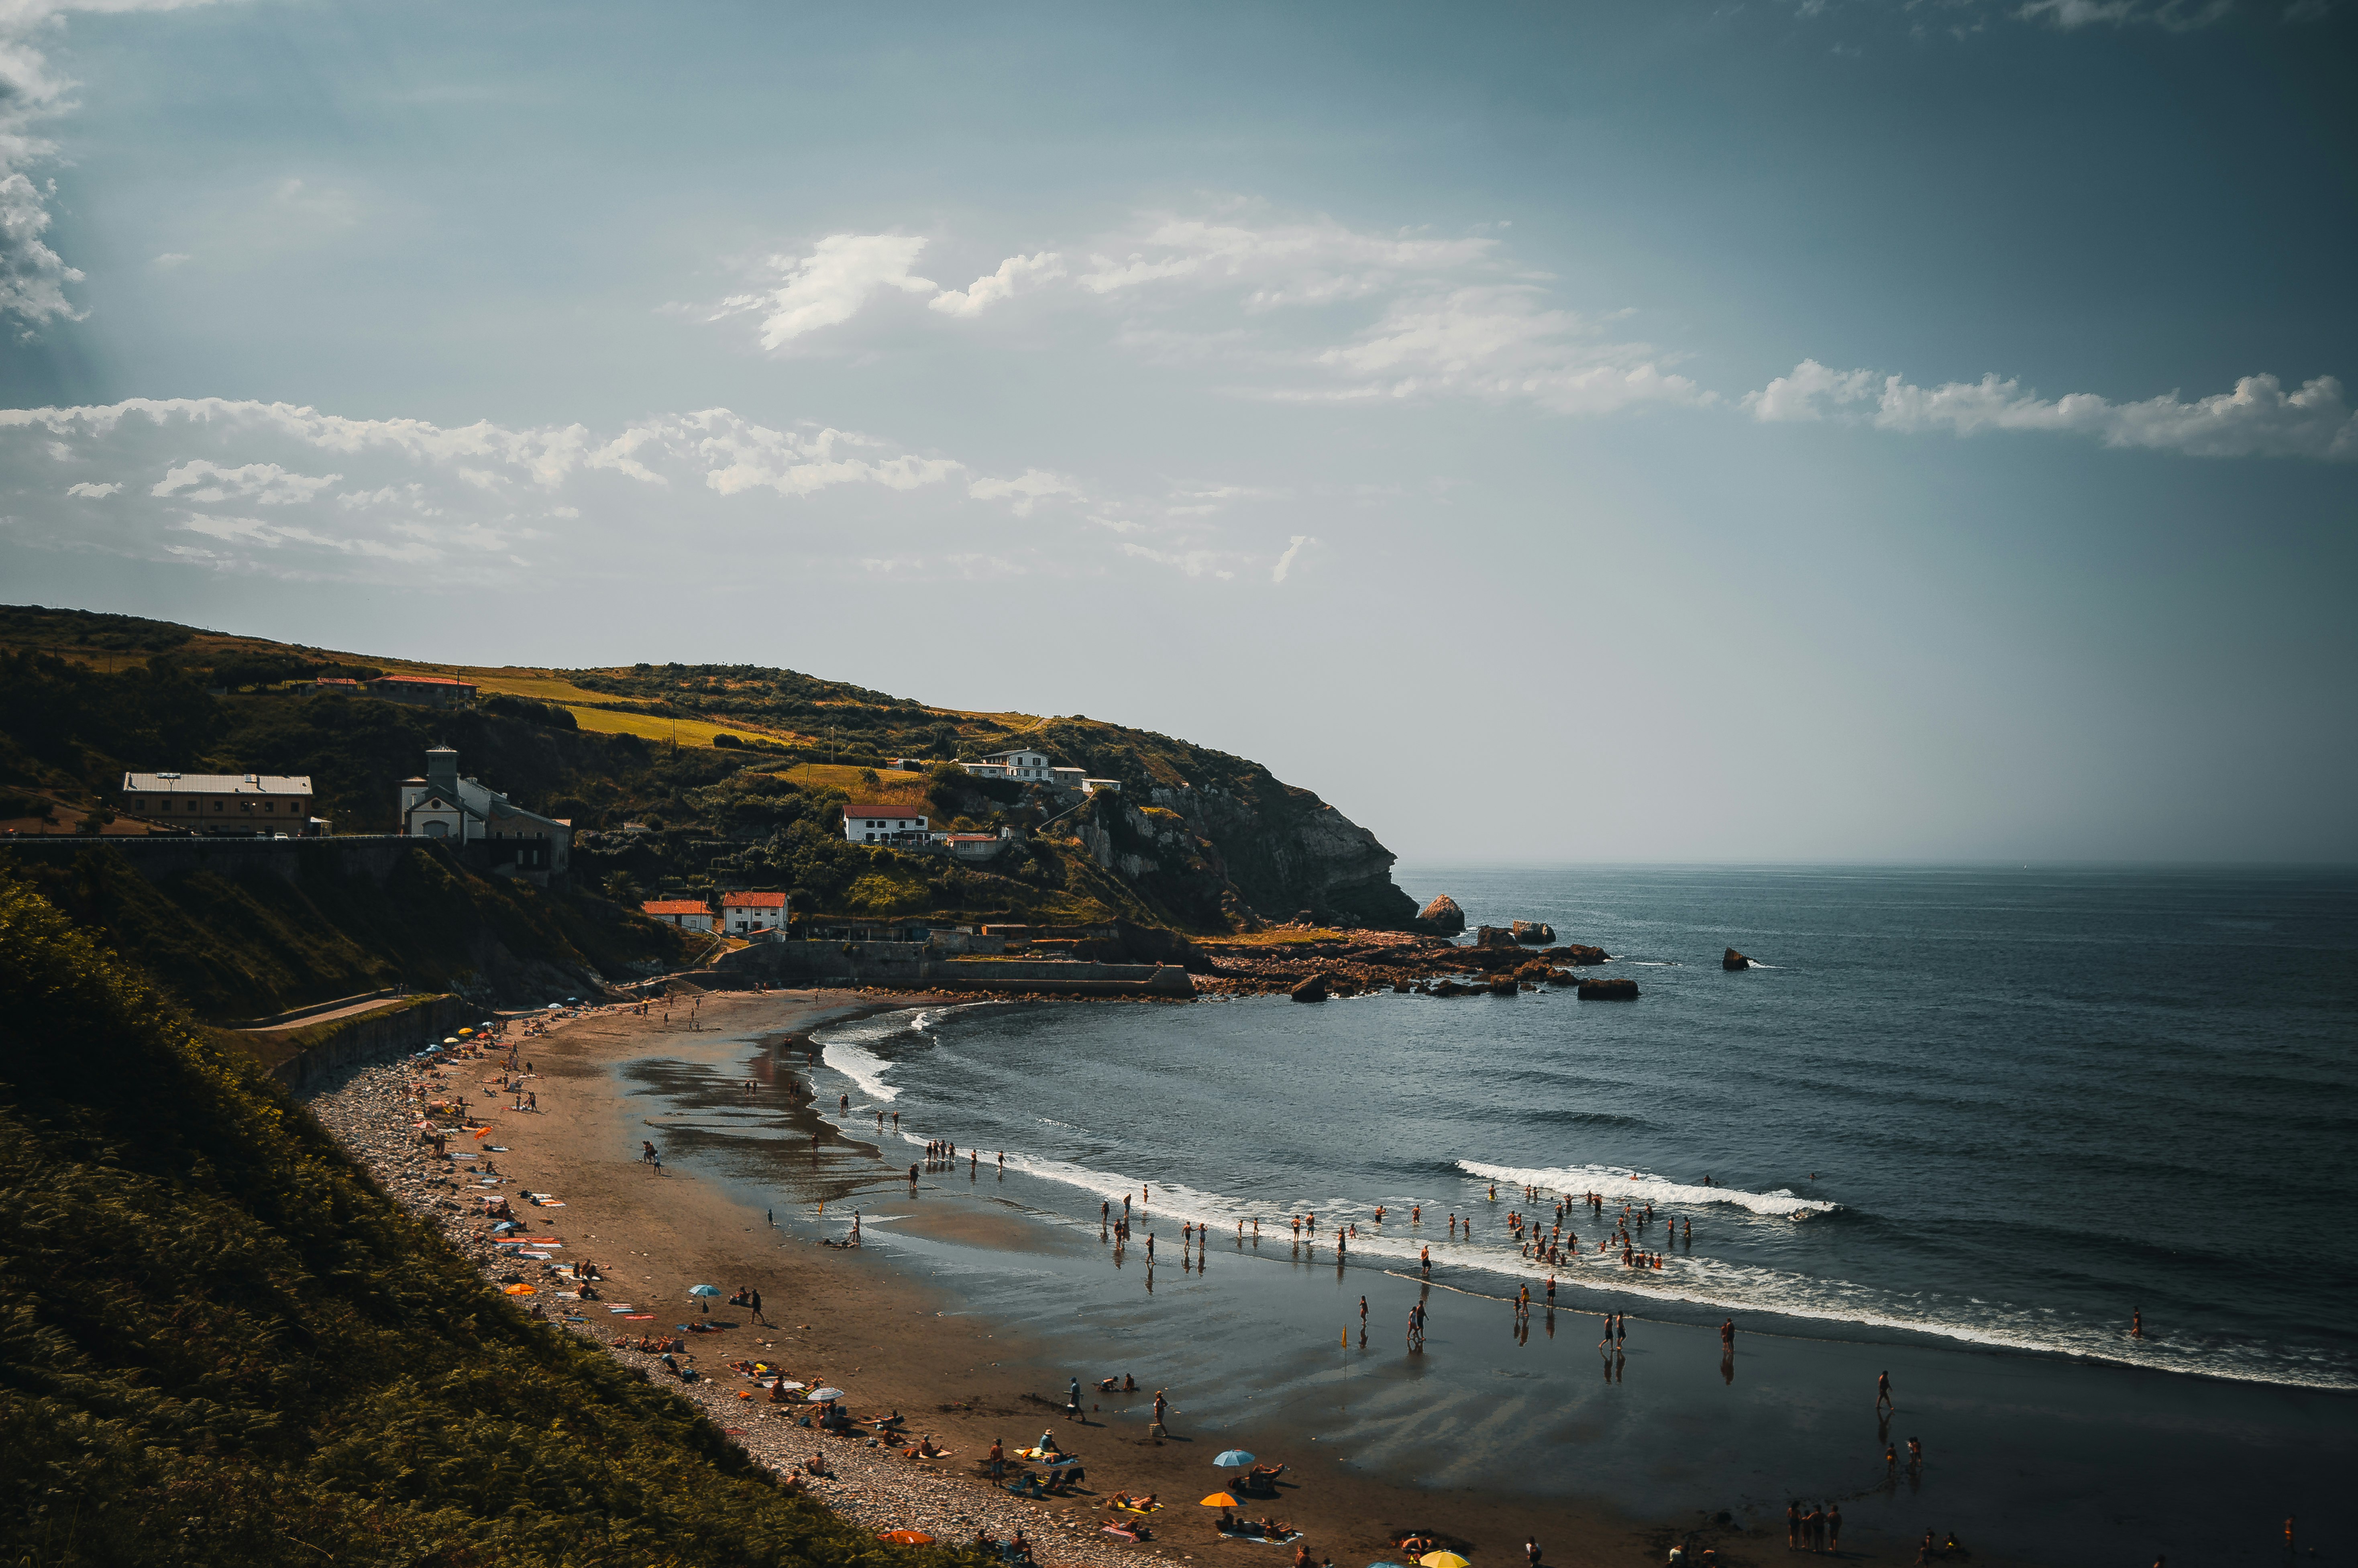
(1883, 1390)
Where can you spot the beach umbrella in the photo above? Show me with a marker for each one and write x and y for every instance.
(449, 1040)
(1443, 1560)
(1234, 1459)
(704, 1289)
(794, 1388)
(1219, 1500)
(821, 1394)
(907, 1537)
(521, 1291)
(465, 1031)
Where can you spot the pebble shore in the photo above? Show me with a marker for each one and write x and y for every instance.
(371, 1114)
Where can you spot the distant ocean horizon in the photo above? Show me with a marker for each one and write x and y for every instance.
(2002, 1106)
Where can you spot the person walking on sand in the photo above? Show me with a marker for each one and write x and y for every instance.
(1883, 1390)
(1072, 1401)
(998, 1460)
(1162, 1405)
(1834, 1528)
(753, 1305)
(1793, 1525)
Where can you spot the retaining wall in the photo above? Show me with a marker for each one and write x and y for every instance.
(917, 966)
(371, 1036)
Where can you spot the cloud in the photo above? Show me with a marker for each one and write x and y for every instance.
(1310, 261)
(33, 275)
(265, 484)
(249, 486)
(1285, 561)
(2176, 15)
(1194, 562)
(1027, 488)
(171, 259)
(829, 287)
(2258, 418)
(1014, 273)
(1499, 342)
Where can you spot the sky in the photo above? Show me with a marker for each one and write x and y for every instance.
(1817, 430)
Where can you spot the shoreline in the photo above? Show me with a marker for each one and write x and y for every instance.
(943, 1264)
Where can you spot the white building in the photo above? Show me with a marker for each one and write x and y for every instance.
(883, 822)
(444, 805)
(742, 914)
(1023, 767)
(688, 913)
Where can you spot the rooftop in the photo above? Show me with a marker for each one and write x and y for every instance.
(675, 906)
(895, 809)
(754, 901)
(216, 783)
(421, 680)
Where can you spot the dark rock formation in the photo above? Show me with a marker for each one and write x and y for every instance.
(1494, 936)
(1609, 991)
(1735, 960)
(1449, 988)
(1441, 918)
(1577, 953)
(1312, 990)
(1504, 985)
(1563, 978)
(1538, 933)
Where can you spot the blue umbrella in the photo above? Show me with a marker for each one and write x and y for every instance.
(1234, 1459)
(704, 1289)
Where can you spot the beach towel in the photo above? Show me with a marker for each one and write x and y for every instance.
(639, 1317)
(1125, 1534)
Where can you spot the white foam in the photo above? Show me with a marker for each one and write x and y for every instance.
(1618, 1182)
(845, 1046)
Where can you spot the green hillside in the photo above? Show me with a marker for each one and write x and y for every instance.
(222, 1344)
(1199, 839)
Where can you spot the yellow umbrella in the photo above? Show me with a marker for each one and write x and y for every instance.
(1219, 1500)
(1443, 1560)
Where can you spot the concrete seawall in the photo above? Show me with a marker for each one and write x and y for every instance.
(915, 966)
(303, 1058)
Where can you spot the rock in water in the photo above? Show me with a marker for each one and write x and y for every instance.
(1735, 960)
(1312, 990)
(1443, 917)
(1609, 991)
(1538, 932)
(1494, 936)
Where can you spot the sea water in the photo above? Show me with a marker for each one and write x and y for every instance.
(2002, 1108)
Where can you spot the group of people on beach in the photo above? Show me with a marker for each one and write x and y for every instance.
(1818, 1530)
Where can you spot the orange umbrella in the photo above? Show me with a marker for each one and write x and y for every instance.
(521, 1291)
(907, 1537)
(1219, 1500)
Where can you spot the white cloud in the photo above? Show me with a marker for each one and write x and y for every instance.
(1285, 561)
(1304, 262)
(1014, 273)
(1025, 490)
(2258, 418)
(171, 259)
(829, 287)
(244, 487)
(265, 484)
(1499, 342)
(33, 275)
(2177, 16)
(1195, 563)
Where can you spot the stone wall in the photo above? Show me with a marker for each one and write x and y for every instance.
(917, 966)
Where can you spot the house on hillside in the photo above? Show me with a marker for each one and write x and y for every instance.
(424, 691)
(883, 822)
(335, 686)
(688, 913)
(225, 803)
(461, 813)
(743, 914)
(1022, 767)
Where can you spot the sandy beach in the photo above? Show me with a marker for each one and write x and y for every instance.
(970, 1352)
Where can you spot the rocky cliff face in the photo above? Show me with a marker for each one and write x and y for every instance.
(1221, 855)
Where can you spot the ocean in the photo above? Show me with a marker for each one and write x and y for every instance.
(2005, 1108)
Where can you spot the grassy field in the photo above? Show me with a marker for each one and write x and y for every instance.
(845, 777)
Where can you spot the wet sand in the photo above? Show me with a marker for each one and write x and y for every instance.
(967, 1312)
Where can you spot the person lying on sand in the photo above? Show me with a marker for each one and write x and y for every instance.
(1264, 1473)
